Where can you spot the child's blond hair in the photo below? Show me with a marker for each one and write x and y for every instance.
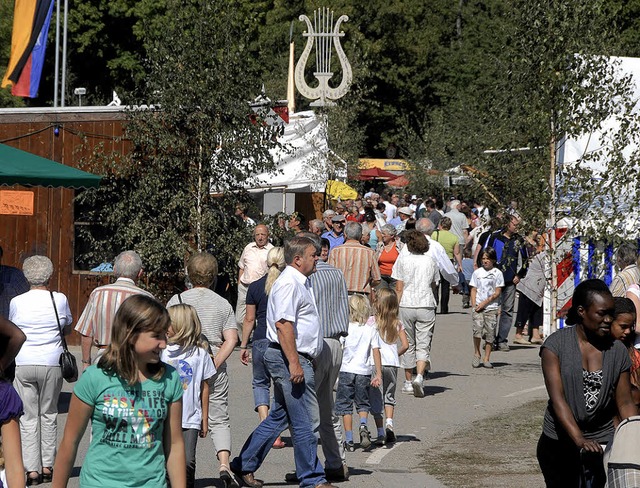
(187, 330)
(359, 309)
(386, 310)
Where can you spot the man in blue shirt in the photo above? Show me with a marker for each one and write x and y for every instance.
(513, 260)
(336, 235)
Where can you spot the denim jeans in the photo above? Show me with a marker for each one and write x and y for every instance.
(261, 381)
(190, 441)
(291, 407)
(352, 388)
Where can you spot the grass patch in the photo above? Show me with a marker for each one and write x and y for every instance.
(499, 451)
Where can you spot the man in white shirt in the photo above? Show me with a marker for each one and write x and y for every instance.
(296, 339)
(459, 223)
(389, 208)
(437, 252)
(253, 266)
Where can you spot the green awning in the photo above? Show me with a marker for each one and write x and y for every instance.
(22, 168)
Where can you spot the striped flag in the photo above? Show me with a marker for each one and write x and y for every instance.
(31, 19)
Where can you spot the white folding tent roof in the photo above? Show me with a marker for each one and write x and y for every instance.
(302, 159)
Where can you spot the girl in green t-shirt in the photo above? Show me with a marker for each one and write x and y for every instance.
(134, 402)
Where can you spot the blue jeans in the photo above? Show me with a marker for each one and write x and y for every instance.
(261, 381)
(291, 407)
(352, 388)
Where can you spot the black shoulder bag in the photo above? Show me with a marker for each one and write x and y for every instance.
(68, 363)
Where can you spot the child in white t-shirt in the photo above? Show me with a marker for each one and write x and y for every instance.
(355, 373)
(190, 358)
(391, 331)
(486, 285)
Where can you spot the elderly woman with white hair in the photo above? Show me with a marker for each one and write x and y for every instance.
(38, 376)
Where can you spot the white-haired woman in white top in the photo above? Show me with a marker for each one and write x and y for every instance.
(38, 376)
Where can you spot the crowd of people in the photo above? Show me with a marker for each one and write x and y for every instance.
(326, 321)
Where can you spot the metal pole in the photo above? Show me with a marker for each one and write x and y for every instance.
(553, 226)
(64, 54)
(57, 65)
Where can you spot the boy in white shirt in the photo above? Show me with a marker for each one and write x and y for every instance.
(486, 285)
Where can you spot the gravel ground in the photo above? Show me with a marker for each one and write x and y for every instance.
(496, 452)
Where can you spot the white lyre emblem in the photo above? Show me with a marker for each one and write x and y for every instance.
(321, 34)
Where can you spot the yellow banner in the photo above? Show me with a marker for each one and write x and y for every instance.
(386, 164)
(22, 26)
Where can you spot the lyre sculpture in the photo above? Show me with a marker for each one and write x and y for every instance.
(322, 34)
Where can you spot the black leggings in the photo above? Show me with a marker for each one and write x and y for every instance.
(562, 465)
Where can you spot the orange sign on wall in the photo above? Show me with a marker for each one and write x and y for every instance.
(16, 202)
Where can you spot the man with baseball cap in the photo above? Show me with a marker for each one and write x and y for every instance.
(336, 235)
(404, 214)
(326, 218)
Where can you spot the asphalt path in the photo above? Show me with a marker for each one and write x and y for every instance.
(455, 395)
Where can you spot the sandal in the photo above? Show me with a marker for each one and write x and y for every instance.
(33, 480)
(47, 475)
(522, 341)
(227, 477)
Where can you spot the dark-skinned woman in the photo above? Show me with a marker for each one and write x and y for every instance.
(586, 373)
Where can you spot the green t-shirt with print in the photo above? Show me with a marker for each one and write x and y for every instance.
(127, 429)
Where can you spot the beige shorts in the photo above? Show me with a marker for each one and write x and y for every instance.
(485, 324)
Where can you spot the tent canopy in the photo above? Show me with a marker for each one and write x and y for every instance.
(375, 174)
(339, 190)
(22, 168)
(301, 161)
(399, 182)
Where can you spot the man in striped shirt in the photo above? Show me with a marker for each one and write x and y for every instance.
(95, 322)
(357, 262)
(332, 303)
(628, 271)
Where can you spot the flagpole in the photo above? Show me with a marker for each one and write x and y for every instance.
(57, 65)
(64, 54)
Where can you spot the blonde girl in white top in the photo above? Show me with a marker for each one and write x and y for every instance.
(391, 331)
(187, 352)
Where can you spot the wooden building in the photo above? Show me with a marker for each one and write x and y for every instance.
(68, 136)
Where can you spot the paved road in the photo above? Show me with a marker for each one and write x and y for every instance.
(456, 394)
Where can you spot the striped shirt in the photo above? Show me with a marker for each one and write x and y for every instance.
(624, 279)
(332, 300)
(358, 263)
(104, 302)
(214, 312)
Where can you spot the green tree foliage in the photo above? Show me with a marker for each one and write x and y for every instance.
(199, 142)
(528, 74)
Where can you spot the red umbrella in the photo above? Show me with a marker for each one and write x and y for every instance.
(398, 182)
(375, 174)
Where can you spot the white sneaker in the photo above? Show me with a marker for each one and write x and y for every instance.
(416, 385)
(407, 387)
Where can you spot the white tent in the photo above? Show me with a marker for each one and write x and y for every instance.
(301, 161)
(591, 151)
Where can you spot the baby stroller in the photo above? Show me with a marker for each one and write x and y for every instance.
(622, 457)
